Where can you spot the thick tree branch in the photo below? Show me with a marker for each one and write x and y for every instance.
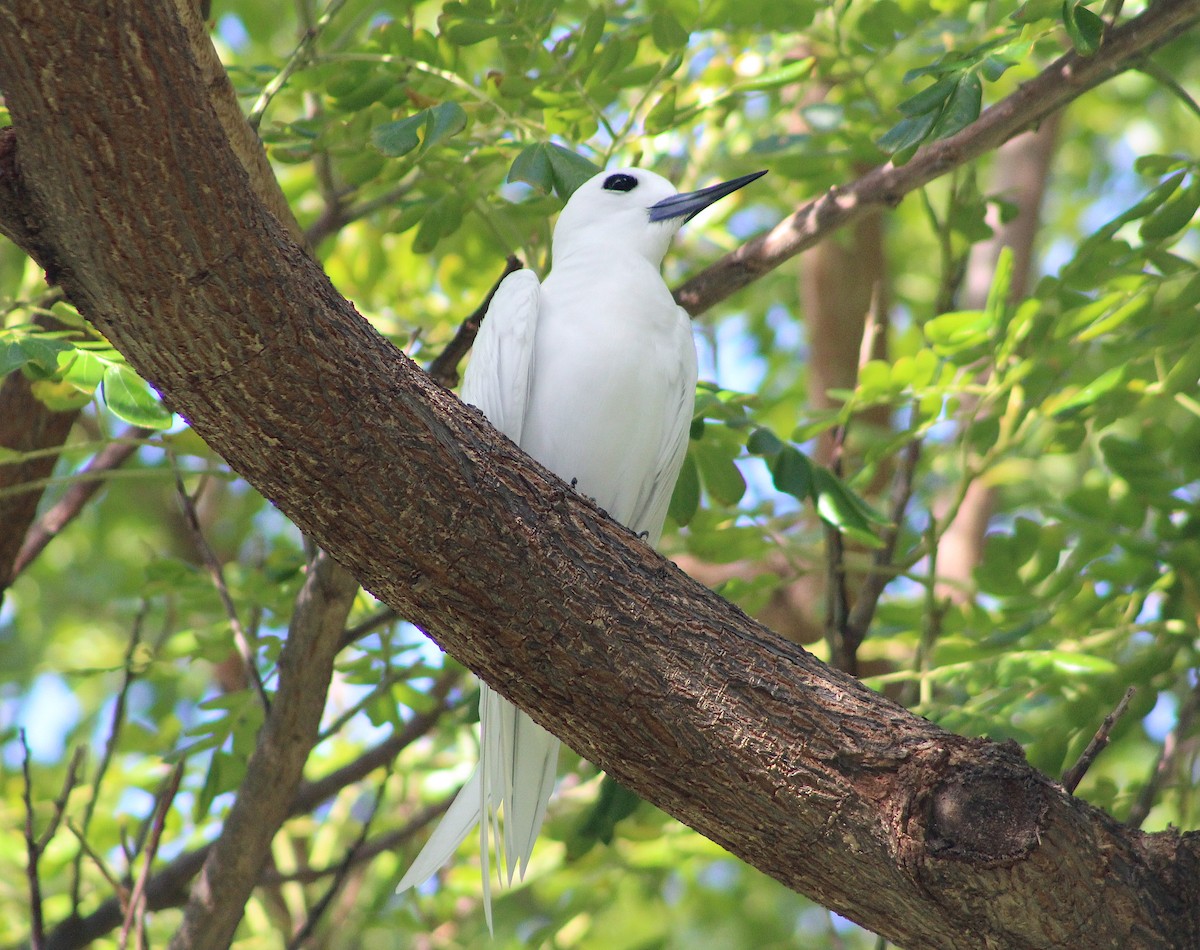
(1065, 80)
(931, 839)
(273, 773)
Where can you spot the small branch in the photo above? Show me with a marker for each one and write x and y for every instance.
(1074, 775)
(136, 910)
(1063, 81)
(37, 926)
(444, 368)
(336, 215)
(1163, 76)
(217, 574)
(63, 512)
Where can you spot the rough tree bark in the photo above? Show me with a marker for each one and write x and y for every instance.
(143, 214)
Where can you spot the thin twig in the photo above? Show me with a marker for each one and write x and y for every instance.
(217, 574)
(385, 843)
(370, 625)
(49, 525)
(110, 746)
(60, 803)
(169, 886)
(37, 925)
(343, 869)
(298, 58)
(1074, 775)
(837, 600)
(1189, 711)
(136, 910)
(883, 570)
(335, 217)
(101, 865)
(1163, 76)
(444, 368)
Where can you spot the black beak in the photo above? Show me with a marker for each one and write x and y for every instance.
(688, 205)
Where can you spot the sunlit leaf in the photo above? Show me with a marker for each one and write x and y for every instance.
(129, 398)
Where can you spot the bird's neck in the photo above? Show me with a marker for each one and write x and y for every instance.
(605, 256)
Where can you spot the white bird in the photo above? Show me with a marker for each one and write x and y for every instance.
(593, 373)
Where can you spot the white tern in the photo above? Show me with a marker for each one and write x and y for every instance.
(593, 373)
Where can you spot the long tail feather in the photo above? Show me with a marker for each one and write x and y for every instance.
(451, 831)
(518, 762)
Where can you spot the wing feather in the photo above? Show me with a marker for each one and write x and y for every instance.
(651, 511)
(498, 376)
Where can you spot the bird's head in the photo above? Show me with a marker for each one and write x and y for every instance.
(632, 209)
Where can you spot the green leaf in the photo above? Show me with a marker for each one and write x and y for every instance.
(12, 356)
(613, 803)
(784, 76)
(838, 507)
(882, 21)
(1080, 664)
(363, 89)
(997, 299)
(568, 170)
(994, 67)
(662, 115)
(931, 99)
(907, 133)
(445, 119)
(42, 352)
(470, 32)
(128, 397)
(1175, 214)
(532, 166)
(792, 472)
(59, 396)
(548, 166)
(86, 371)
(685, 499)
(720, 474)
(1084, 27)
(962, 108)
(1158, 165)
(667, 33)
(441, 220)
(425, 128)
(399, 138)
(589, 35)
(763, 441)
(952, 332)
(1088, 394)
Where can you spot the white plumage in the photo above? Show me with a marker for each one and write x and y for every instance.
(593, 373)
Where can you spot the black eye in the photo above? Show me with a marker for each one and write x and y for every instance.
(620, 183)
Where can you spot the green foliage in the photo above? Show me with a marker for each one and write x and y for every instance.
(448, 135)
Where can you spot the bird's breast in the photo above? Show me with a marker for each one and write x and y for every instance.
(611, 361)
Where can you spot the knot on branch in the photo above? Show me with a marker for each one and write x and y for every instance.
(986, 814)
